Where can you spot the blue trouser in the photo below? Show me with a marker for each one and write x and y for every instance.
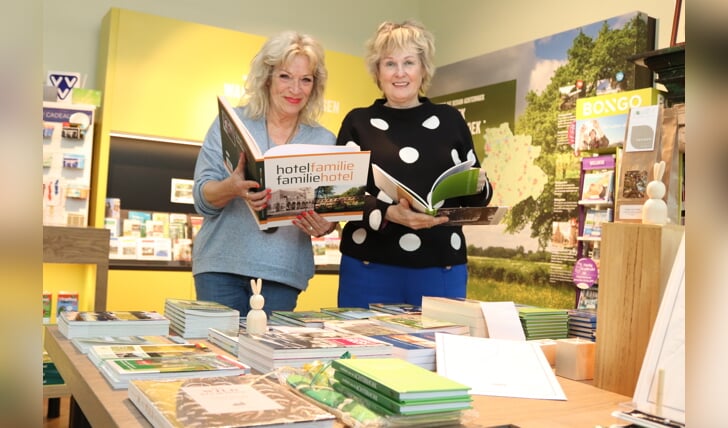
(361, 283)
(234, 291)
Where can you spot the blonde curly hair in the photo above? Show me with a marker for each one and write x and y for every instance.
(409, 34)
(277, 51)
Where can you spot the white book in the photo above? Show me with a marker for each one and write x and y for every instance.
(117, 323)
(100, 353)
(83, 344)
(118, 372)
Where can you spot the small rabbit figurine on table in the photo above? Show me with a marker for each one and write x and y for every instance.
(654, 210)
(256, 321)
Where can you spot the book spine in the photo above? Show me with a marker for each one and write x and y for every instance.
(371, 405)
(365, 380)
(47, 306)
(369, 395)
(260, 165)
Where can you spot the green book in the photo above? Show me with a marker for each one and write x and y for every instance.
(380, 403)
(399, 379)
(532, 311)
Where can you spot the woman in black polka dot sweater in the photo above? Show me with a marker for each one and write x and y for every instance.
(396, 254)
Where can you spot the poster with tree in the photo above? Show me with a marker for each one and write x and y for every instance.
(530, 158)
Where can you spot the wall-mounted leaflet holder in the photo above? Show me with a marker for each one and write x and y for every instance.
(67, 155)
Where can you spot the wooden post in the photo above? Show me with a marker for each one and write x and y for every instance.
(635, 264)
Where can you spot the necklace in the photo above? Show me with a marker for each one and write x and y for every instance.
(270, 142)
(268, 146)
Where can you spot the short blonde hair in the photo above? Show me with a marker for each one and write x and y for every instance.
(409, 34)
(277, 51)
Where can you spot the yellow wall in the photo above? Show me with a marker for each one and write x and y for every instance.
(147, 290)
(70, 277)
(160, 77)
(321, 293)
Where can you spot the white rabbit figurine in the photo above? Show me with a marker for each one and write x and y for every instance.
(256, 321)
(654, 211)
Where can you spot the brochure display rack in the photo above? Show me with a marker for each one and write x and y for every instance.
(596, 207)
(67, 158)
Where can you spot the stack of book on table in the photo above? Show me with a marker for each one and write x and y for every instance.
(100, 353)
(544, 323)
(50, 372)
(417, 348)
(417, 323)
(119, 371)
(192, 318)
(394, 387)
(83, 344)
(295, 346)
(107, 323)
(302, 318)
(367, 327)
(225, 339)
(583, 324)
(459, 311)
(229, 401)
(396, 308)
(352, 313)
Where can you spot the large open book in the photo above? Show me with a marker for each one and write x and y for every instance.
(459, 180)
(330, 180)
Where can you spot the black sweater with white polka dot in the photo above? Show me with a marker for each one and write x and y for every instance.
(415, 146)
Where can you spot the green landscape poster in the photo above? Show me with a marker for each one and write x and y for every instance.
(520, 105)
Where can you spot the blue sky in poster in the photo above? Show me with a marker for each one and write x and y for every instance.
(554, 47)
(532, 64)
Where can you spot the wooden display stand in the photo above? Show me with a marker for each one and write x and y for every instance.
(636, 261)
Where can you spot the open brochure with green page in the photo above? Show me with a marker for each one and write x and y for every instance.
(458, 180)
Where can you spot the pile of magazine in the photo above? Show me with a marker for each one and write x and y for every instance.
(107, 323)
(295, 346)
(193, 318)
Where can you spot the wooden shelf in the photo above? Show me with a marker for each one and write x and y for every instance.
(80, 245)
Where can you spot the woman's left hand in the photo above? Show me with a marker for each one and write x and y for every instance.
(311, 223)
(403, 214)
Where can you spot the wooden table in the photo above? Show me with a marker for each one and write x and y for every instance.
(94, 403)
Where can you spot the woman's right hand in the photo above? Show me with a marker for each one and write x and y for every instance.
(220, 193)
(403, 214)
(246, 189)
